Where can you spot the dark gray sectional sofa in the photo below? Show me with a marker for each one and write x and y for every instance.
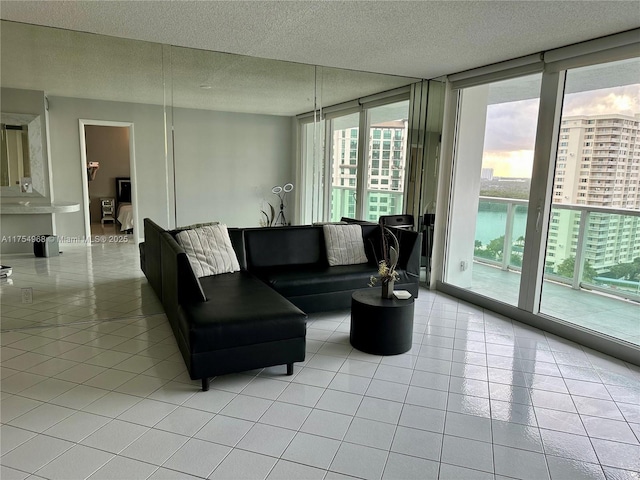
(256, 318)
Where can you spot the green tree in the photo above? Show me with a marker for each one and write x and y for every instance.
(565, 269)
(516, 260)
(626, 271)
(494, 248)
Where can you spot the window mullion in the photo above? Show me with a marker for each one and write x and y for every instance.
(326, 211)
(540, 196)
(363, 164)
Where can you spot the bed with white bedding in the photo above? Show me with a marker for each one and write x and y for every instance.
(125, 216)
(124, 212)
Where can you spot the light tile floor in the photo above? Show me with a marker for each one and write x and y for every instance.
(103, 394)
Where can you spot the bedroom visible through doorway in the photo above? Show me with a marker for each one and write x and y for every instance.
(107, 151)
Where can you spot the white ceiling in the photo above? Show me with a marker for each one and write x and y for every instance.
(67, 63)
(424, 39)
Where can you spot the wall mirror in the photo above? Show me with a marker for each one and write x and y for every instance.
(21, 157)
(201, 118)
(233, 119)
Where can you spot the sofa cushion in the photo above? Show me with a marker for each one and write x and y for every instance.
(279, 246)
(344, 244)
(241, 310)
(209, 250)
(293, 281)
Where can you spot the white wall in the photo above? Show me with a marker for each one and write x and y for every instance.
(466, 185)
(227, 163)
(64, 113)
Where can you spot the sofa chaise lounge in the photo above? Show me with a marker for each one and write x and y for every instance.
(256, 317)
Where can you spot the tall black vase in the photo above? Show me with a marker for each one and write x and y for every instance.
(387, 288)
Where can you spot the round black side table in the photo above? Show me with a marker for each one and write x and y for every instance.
(381, 326)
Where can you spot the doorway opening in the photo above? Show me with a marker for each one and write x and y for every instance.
(107, 162)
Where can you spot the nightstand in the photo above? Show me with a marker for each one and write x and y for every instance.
(108, 210)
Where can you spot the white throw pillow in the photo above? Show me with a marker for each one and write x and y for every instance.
(345, 245)
(209, 250)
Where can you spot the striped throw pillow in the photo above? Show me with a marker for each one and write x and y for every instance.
(209, 250)
(344, 244)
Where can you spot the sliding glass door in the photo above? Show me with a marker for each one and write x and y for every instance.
(493, 165)
(544, 211)
(593, 242)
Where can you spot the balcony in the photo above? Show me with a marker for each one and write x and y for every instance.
(599, 178)
(587, 308)
(577, 284)
(606, 147)
(608, 123)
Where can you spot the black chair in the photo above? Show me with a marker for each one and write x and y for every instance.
(398, 221)
(428, 221)
(356, 220)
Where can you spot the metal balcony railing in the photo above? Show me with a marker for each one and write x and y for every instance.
(379, 201)
(592, 243)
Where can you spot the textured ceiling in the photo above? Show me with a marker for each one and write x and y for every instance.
(82, 65)
(423, 39)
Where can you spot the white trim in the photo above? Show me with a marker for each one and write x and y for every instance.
(326, 171)
(415, 138)
(445, 181)
(389, 96)
(299, 167)
(341, 109)
(619, 46)
(403, 97)
(82, 123)
(351, 106)
(309, 117)
(518, 72)
(49, 168)
(169, 149)
(85, 179)
(610, 42)
(603, 56)
(540, 193)
(364, 127)
(497, 71)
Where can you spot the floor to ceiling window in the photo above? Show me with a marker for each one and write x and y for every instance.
(543, 208)
(342, 175)
(367, 180)
(386, 160)
(593, 242)
(494, 160)
(310, 175)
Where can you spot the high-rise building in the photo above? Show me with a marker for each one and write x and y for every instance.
(598, 165)
(486, 174)
(385, 170)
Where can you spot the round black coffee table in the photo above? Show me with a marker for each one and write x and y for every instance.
(381, 326)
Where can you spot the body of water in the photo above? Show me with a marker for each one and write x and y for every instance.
(490, 225)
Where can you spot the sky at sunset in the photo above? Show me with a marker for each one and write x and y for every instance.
(511, 127)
